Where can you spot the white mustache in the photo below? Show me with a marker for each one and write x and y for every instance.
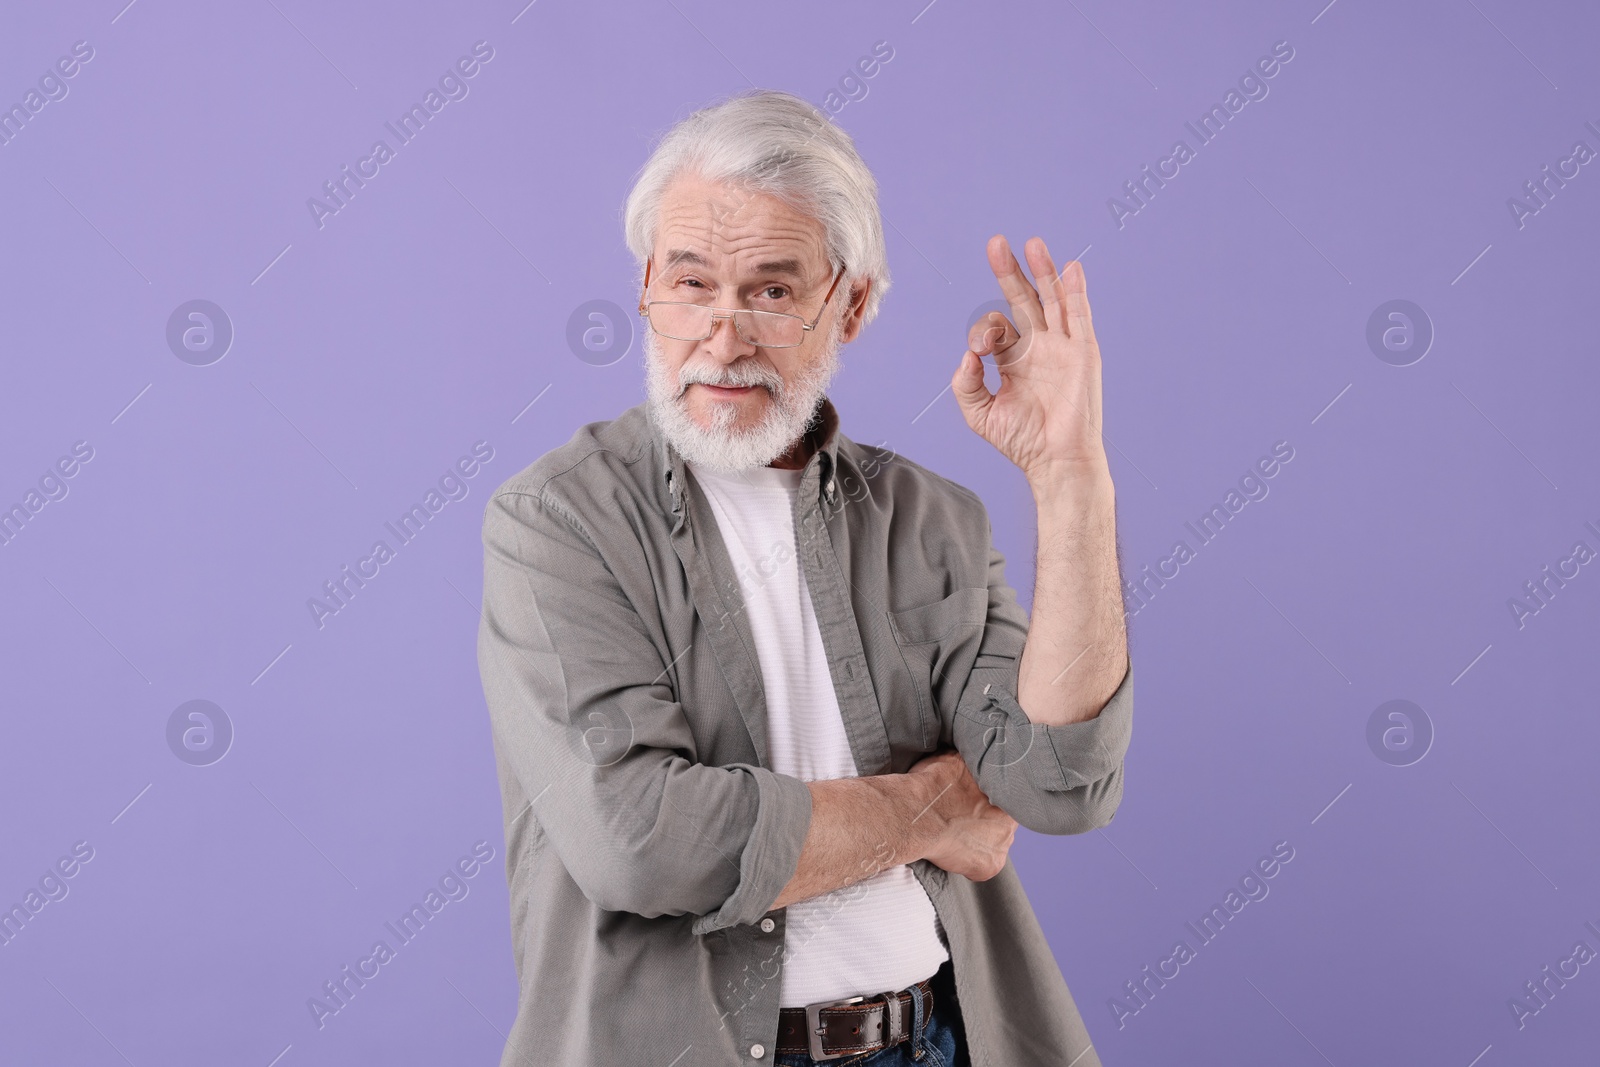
(734, 376)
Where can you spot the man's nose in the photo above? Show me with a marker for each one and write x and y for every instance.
(725, 344)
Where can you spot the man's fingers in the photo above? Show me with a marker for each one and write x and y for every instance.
(1018, 291)
(1076, 288)
(1052, 294)
(992, 333)
(972, 395)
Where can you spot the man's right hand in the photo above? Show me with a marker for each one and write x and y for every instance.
(960, 830)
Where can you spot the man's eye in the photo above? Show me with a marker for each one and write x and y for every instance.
(780, 290)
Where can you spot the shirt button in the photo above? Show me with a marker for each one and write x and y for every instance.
(757, 1051)
(767, 926)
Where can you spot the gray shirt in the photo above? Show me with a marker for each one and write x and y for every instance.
(647, 835)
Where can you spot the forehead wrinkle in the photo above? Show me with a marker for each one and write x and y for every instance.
(791, 265)
(707, 221)
(754, 254)
(712, 230)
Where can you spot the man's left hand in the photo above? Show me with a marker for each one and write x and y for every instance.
(1046, 415)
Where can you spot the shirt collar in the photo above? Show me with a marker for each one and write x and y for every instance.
(817, 479)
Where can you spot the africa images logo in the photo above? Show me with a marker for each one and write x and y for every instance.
(452, 486)
(452, 86)
(1252, 87)
(452, 886)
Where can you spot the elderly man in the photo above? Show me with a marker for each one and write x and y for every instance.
(766, 713)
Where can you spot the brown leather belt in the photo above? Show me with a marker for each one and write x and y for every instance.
(831, 1029)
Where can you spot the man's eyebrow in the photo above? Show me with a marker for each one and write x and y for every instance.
(790, 266)
(685, 255)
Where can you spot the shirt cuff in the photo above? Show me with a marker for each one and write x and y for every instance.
(1088, 751)
(1057, 758)
(771, 853)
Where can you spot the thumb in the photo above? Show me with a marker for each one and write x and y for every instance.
(971, 394)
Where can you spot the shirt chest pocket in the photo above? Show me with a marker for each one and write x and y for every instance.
(939, 643)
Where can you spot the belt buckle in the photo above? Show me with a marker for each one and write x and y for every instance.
(814, 1024)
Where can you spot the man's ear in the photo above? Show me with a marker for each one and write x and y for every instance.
(858, 307)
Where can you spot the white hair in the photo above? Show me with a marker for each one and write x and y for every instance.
(767, 141)
(792, 411)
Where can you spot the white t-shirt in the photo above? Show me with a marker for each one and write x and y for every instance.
(881, 933)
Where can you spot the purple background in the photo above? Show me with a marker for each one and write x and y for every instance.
(428, 313)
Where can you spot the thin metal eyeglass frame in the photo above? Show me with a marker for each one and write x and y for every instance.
(729, 313)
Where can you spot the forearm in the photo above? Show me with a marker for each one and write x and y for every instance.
(859, 826)
(1077, 646)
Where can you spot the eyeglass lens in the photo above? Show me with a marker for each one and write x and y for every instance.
(692, 322)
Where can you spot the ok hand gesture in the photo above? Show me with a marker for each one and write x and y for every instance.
(1046, 415)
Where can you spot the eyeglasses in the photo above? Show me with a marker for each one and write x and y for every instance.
(683, 321)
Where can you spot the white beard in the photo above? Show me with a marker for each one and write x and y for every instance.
(723, 448)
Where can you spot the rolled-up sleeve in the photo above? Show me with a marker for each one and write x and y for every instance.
(584, 713)
(1053, 779)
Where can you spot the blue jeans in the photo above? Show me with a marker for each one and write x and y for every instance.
(942, 1044)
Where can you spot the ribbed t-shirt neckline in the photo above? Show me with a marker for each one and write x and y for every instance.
(753, 477)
